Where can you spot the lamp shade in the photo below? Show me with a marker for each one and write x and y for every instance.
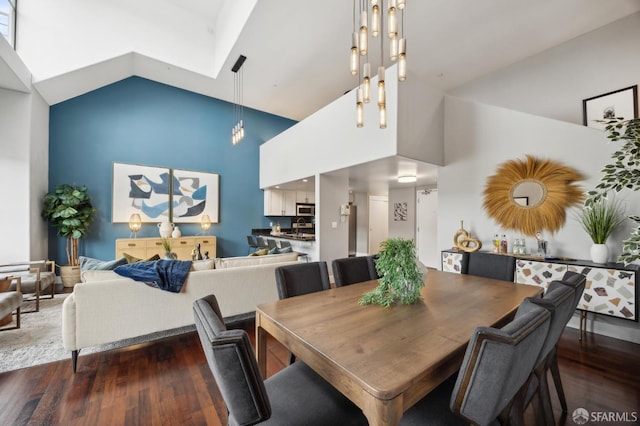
(135, 223)
(205, 222)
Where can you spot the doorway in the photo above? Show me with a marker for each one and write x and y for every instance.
(427, 227)
(378, 222)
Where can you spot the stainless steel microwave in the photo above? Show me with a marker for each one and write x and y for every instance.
(305, 209)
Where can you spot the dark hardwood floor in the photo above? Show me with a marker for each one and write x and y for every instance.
(168, 382)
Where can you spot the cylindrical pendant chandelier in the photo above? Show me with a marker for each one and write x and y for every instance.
(370, 23)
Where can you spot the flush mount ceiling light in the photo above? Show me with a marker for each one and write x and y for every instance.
(406, 179)
(237, 133)
(362, 29)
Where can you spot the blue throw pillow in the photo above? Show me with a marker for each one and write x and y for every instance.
(88, 264)
(274, 250)
(287, 249)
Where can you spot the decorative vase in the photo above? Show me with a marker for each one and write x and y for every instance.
(176, 232)
(599, 253)
(165, 229)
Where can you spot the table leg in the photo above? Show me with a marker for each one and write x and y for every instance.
(383, 412)
(261, 347)
(583, 324)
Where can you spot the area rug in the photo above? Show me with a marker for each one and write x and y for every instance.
(39, 338)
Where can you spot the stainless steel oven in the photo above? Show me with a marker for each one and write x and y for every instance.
(305, 209)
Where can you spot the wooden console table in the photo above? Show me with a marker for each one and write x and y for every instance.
(144, 248)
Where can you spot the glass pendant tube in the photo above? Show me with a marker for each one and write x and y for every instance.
(354, 54)
(393, 48)
(402, 59)
(383, 117)
(366, 83)
(359, 108)
(375, 19)
(392, 19)
(364, 34)
(400, 4)
(382, 95)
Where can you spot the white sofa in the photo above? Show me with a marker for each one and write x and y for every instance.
(107, 307)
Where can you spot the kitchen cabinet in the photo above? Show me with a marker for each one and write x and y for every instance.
(144, 248)
(305, 197)
(279, 203)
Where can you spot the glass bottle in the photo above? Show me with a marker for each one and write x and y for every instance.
(504, 245)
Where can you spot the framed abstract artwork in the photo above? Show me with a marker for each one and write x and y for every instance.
(140, 189)
(620, 103)
(194, 195)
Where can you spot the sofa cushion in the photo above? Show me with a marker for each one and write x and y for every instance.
(234, 262)
(202, 265)
(98, 275)
(88, 263)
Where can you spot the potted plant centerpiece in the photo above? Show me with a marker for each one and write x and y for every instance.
(599, 219)
(69, 209)
(400, 276)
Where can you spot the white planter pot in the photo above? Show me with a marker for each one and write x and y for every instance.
(599, 253)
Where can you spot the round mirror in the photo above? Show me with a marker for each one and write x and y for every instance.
(528, 193)
(532, 195)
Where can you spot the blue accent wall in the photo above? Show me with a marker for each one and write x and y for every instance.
(138, 121)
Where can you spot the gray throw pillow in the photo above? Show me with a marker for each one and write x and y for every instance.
(88, 264)
(287, 249)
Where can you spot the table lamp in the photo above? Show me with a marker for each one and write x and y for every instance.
(205, 222)
(135, 223)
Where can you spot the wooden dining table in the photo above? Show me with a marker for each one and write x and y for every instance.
(387, 359)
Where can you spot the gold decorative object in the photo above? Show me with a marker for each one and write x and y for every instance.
(532, 195)
(464, 241)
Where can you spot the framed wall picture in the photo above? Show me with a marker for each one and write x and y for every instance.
(140, 189)
(400, 212)
(195, 194)
(620, 103)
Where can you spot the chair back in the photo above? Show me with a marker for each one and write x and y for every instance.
(351, 270)
(490, 265)
(559, 303)
(262, 242)
(251, 240)
(271, 243)
(497, 364)
(578, 282)
(371, 260)
(233, 364)
(302, 278)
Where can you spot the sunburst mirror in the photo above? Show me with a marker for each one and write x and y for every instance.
(532, 195)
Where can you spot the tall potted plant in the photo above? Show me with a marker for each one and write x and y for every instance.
(599, 219)
(69, 209)
(400, 277)
(622, 174)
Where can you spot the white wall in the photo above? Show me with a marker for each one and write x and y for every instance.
(24, 120)
(332, 191)
(361, 200)
(492, 135)
(554, 83)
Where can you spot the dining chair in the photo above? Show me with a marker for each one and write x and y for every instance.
(351, 270)
(577, 282)
(284, 244)
(295, 395)
(371, 260)
(271, 243)
(559, 302)
(262, 242)
(299, 279)
(493, 378)
(491, 265)
(253, 243)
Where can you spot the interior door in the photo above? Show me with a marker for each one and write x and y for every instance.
(427, 228)
(378, 222)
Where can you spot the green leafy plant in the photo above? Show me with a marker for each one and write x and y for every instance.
(400, 277)
(622, 174)
(69, 209)
(166, 245)
(601, 218)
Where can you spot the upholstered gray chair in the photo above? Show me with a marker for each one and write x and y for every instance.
(253, 243)
(302, 278)
(493, 378)
(491, 265)
(373, 271)
(351, 270)
(299, 279)
(293, 396)
(262, 243)
(577, 282)
(559, 302)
